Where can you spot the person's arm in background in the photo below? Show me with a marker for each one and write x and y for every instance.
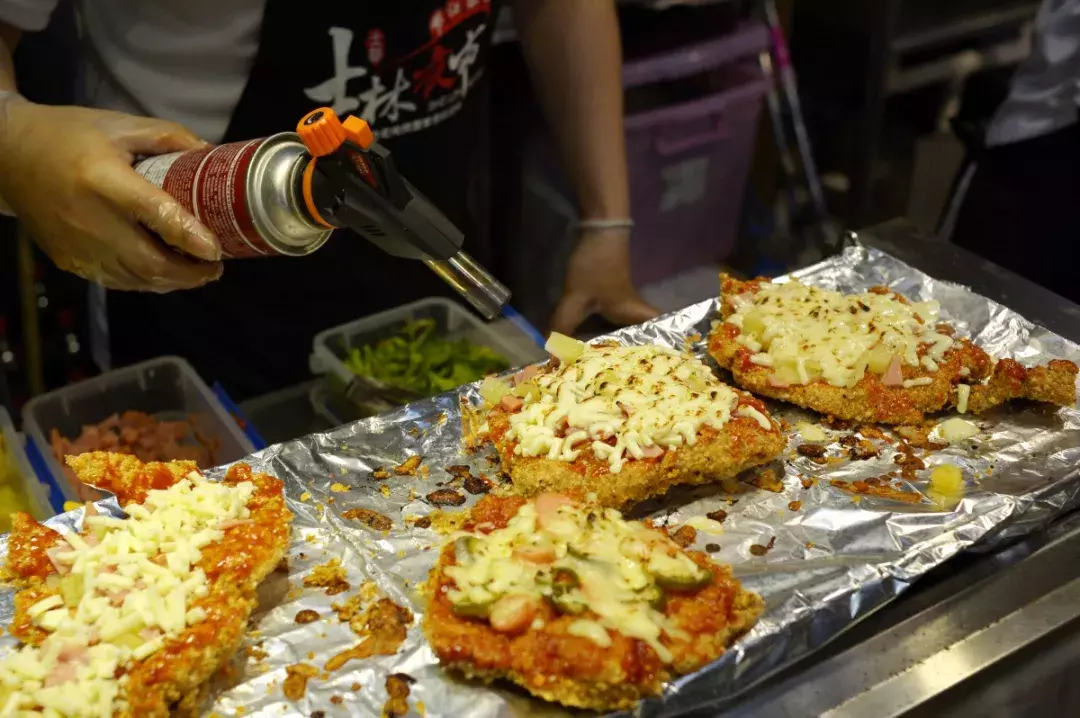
(574, 51)
(65, 172)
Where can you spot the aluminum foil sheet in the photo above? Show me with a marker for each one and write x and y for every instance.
(832, 559)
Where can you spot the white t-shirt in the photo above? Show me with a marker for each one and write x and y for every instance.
(182, 60)
(1045, 91)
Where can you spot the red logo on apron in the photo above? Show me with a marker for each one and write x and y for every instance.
(437, 23)
(376, 47)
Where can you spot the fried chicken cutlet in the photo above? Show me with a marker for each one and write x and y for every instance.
(577, 605)
(873, 357)
(625, 423)
(130, 617)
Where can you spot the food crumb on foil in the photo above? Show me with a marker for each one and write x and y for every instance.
(409, 466)
(330, 575)
(446, 497)
(397, 690)
(306, 616)
(296, 680)
(379, 473)
(385, 624)
(759, 550)
(478, 484)
(370, 518)
(684, 536)
(339, 488)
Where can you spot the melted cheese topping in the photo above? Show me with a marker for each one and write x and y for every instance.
(806, 333)
(620, 402)
(126, 588)
(582, 560)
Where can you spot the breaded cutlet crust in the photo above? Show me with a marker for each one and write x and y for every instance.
(554, 665)
(870, 401)
(234, 567)
(717, 454)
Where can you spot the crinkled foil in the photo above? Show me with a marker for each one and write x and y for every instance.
(833, 559)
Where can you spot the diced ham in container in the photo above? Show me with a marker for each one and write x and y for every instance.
(652, 452)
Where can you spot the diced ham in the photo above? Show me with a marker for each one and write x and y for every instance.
(73, 653)
(90, 510)
(116, 598)
(61, 568)
(893, 376)
(235, 522)
(513, 614)
(61, 674)
(149, 634)
(511, 402)
(547, 507)
(652, 452)
(524, 375)
(91, 539)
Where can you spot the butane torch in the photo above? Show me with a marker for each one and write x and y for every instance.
(286, 194)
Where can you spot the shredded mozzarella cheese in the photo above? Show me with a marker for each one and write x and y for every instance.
(807, 333)
(620, 402)
(615, 566)
(128, 591)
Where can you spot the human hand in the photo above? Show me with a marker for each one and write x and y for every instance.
(66, 174)
(598, 282)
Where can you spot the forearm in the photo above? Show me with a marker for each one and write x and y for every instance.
(575, 54)
(9, 38)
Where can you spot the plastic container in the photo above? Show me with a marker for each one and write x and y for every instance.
(453, 321)
(36, 493)
(691, 124)
(166, 387)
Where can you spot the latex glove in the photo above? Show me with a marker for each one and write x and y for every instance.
(598, 282)
(66, 173)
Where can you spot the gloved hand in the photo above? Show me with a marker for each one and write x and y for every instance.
(598, 282)
(66, 173)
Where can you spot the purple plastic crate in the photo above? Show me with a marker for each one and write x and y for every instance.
(689, 158)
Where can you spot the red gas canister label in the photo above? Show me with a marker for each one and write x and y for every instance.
(212, 184)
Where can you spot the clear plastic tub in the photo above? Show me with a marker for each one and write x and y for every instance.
(453, 321)
(166, 387)
(17, 475)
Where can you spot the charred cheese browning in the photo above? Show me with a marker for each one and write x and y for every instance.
(124, 589)
(611, 574)
(623, 403)
(805, 333)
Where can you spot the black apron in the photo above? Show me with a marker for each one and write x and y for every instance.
(403, 65)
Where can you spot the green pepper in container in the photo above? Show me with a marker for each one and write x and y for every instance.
(414, 358)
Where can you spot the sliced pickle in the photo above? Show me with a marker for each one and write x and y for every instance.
(564, 594)
(678, 573)
(472, 609)
(685, 582)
